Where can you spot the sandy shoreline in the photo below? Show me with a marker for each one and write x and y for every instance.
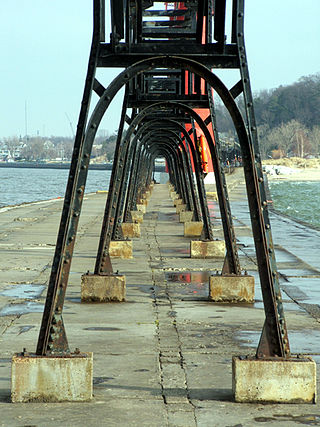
(307, 174)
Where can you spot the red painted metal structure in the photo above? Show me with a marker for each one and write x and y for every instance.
(201, 144)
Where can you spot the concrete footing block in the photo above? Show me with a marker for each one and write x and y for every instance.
(231, 288)
(121, 249)
(130, 229)
(185, 216)
(103, 288)
(212, 195)
(177, 202)
(193, 229)
(143, 201)
(274, 381)
(51, 378)
(174, 195)
(180, 208)
(137, 216)
(142, 208)
(207, 249)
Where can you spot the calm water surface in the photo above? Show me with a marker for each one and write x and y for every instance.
(30, 185)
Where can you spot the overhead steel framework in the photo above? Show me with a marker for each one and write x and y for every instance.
(168, 52)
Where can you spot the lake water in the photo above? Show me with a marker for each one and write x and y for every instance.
(31, 185)
(298, 199)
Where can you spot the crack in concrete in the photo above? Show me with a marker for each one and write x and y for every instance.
(169, 355)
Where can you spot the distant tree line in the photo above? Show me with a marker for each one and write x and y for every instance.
(57, 148)
(287, 119)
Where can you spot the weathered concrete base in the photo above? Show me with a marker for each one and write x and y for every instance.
(207, 249)
(274, 381)
(143, 201)
(174, 195)
(142, 208)
(185, 216)
(231, 288)
(177, 202)
(180, 208)
(51, 378)
(121, 249)
(193, 229)
(131, 229)
(103, 288)
(137, 216)
(212, 195)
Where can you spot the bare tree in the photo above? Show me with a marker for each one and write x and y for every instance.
(12, 143)
(314, 138)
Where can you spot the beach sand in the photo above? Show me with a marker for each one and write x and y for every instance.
(301, 169)
(307, 174)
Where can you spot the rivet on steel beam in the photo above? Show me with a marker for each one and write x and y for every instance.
(260, 179)
(240, 34)
(79, 191)
(240, 15)
(267, 226)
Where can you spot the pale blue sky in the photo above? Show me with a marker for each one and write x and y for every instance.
(45, 45)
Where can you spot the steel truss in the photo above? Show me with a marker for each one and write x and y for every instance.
(168, 62)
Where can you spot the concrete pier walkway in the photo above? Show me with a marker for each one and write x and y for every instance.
(162, 358)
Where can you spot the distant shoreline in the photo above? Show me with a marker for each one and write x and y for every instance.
(308, 174)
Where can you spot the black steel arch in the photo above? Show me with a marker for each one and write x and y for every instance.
(232, 265)
(258, 211)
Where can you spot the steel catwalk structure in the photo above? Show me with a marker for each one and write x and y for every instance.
(168, 52)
